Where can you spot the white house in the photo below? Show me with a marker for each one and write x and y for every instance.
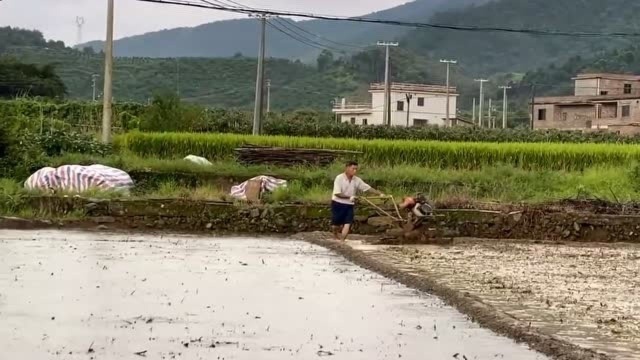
(411, 105)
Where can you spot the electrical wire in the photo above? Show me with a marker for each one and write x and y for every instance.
(417, 25)
(277, 28)
(292, 27)
(306, 39)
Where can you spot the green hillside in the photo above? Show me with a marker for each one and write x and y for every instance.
(216, 82)
(213, 40)
(556, 79)
(230, 82)
(491, 52)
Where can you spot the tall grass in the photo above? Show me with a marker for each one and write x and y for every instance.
(459, 155)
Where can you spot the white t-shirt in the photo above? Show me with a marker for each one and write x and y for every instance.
(342, 185)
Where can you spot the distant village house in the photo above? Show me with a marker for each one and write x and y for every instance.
(411, 105)
(601, 102)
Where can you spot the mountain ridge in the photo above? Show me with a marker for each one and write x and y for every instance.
(198, 41)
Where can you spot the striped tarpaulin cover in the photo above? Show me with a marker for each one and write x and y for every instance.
(78, 179)
(268, 183)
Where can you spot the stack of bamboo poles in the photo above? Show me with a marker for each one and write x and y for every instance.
(251, 155)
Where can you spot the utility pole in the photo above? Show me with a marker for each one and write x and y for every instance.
(448, 62)
(481, 101)
(387, 83)
(409, 97)
(93, 85)
(504, 105)
(108, 80)
(257, 112)
(178, 77)
(473, 115)
(489, 116)
(533, 102)
(268, 96)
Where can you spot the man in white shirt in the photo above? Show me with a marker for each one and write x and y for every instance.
(345, 190)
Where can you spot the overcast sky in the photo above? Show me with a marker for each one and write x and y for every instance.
(57, 18)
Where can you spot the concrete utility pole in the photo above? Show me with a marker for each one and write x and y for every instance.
(268, 96)
(108, 80)
(409, 97)
(448, 62)
(387, 83)
(490, 117)
(504, 105)
(481, 100)
(93, 85)
(473, 115)
(178, 77)
(533, 106)
(257, 112)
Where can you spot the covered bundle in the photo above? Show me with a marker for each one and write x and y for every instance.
(79, 179)
(267, 183)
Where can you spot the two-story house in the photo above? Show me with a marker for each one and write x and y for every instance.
(411, 105)
(608, 102)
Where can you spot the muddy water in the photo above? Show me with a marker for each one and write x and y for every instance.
(66, 295)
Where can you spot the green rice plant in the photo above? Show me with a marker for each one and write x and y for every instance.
(433, 154)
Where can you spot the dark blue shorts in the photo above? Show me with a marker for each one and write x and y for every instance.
(341, 214)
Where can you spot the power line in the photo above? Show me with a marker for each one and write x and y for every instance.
(418, 25)
(293, 28)
(353, 46)
(295, 37)
(306, 39)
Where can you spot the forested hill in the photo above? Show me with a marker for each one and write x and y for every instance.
(19, 37)
(214, 40)
(555, 79)
(492, 52)
(230, 82)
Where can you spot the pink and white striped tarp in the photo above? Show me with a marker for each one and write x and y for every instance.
(268, 183)
(78, 179)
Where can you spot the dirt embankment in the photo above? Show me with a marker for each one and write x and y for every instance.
(559, 222)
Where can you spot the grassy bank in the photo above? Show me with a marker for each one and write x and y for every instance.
(498, 183)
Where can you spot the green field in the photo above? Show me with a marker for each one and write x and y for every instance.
(433, 154)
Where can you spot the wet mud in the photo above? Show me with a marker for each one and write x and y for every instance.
(79, 295)
(567, 300)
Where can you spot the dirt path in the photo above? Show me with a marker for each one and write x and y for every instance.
(553, 296)
(78, 295)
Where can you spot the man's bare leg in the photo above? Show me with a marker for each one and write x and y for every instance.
(336, 232)
(345, 231)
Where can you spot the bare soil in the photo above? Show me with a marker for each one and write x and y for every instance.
(567, 300)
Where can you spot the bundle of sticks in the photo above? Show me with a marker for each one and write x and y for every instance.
(288, 156)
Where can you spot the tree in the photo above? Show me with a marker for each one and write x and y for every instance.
(325, 60)
(20, 79)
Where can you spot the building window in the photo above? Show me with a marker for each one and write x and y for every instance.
(420, 101)
(542, 114)
(564, 116)
(353, 121)
(589, 124)
(626, 111)
(604, 93)
(400, 105)
(627, 88)
(420, 122)
(599, 111)
(365, 122)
